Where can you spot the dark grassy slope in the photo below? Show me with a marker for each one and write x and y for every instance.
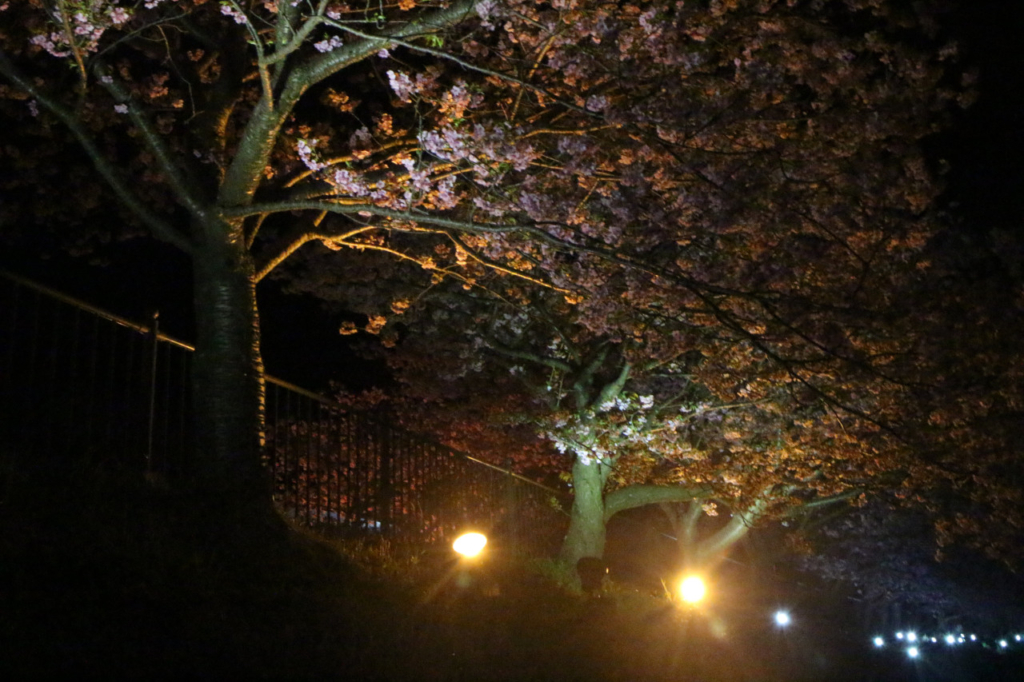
(105, 577)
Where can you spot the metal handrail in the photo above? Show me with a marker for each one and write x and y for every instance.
(333, 404)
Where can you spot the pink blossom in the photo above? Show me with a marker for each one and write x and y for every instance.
(306, 154)
(235, 13)
(486, 10)
(597, 103)
(328, 44)
(119, 15)
(360, 139)
(350, 183)
(402, 85)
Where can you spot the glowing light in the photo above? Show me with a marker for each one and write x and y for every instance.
(1017, 637)
(879, 642)
(950, 640)
(692, 589)
(913, 652)
(782, 619)
(899, 635)
(934, 640)
(1003, 644)
(470, 545)
(973, 638)
(911, 636)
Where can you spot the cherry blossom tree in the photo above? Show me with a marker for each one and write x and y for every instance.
(746, 169)
(646, 420)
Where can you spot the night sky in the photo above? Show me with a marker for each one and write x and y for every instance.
(985, 194)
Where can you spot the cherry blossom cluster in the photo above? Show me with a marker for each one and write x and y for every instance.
(89, 20)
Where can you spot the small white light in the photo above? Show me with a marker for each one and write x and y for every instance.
(934, 640)
(1017, 637)
(973, 638)
(879, 642)
(899, 635)
(911, 636)
(950, 640)
(913, 652)
(782, 619)
(1003, 644)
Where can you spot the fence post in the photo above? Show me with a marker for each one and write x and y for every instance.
(155, 335)
(385, 484)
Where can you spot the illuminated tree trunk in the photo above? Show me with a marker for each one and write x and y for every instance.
(586, 534)
(227, 372)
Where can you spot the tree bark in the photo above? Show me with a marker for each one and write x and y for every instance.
(586, 534)
(227, 372)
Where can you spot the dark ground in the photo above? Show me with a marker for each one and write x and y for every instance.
(103, 577)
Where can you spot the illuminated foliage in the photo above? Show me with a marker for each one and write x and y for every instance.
(734, 178)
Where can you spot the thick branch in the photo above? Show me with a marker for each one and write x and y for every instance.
(553, 363)
(640, 495)
(610, 391)
(297, 241)
(408, 216)
(246, 170)
(737, 527)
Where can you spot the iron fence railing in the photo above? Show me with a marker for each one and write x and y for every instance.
(79, 384)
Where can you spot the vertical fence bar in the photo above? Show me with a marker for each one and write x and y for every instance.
(151, 416)
(329, 465)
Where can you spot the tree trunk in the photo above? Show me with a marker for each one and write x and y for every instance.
(586, 534)
(227, 375)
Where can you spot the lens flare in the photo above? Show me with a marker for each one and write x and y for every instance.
(470, 545)
(692, 589)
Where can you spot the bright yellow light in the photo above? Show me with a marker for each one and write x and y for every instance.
(469, 544)
(692, 589)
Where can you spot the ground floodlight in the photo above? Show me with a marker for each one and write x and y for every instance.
(1003, 644)
(911, 636)
(782, 618)
(913, 652)
(879, 642)
(950, 640)
(692, 589)
(470, 545)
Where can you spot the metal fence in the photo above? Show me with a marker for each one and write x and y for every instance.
(79, 385)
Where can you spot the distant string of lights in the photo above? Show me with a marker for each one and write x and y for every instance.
(914, 642)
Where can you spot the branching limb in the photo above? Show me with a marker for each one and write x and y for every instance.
(542, 360)
(245, 173)
(104, 166)
(288, 40)
(737, 527)
(492, 265)
(296, 242)
(611, 390)
(635, 496)
(186, 189)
